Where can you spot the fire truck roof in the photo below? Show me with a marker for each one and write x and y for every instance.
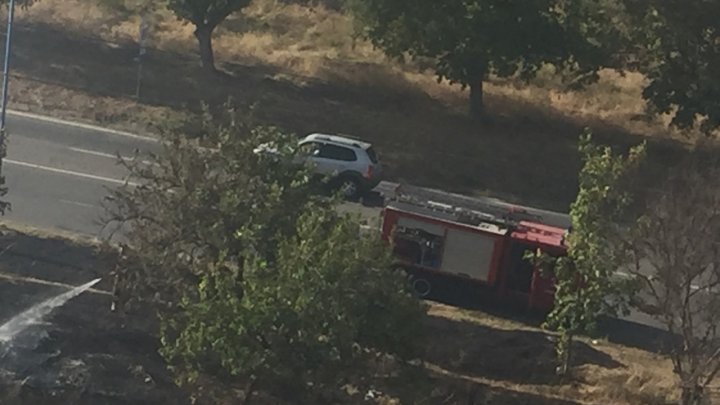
(494, 211)
(440, 212)
(539, 233)
(472, 212)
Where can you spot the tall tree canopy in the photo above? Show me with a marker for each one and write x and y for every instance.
(470, 39)
(681, 59)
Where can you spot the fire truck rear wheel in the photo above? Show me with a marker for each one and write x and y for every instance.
(422, 287)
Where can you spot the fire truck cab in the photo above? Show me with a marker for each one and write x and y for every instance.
(443, 242)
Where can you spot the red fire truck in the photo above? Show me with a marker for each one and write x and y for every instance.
(439, 240)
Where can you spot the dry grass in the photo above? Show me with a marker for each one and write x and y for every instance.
(515, 357)
(303, 67)
(314, 42)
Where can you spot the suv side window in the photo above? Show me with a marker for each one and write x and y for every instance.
(308, 148)
(335, 152)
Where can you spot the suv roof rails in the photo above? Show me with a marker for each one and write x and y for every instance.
(328, 137)
(353, 137)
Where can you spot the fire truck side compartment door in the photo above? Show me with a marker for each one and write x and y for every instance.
(468, 253)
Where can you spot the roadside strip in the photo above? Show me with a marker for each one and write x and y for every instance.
(76, 124)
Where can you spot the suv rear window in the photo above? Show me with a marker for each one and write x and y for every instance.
(337, 153)
(372, 155)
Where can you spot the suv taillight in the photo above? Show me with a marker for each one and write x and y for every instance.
(369, 173)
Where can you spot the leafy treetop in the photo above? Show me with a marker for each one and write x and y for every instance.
(586, 285)
(471, 39)
(681, 53)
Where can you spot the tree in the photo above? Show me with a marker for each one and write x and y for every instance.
(192, 200)
(680, 51)
(205, 15)
(255, 276)
(327, 305)
(586, 285)
(676, 252)
(469, 40)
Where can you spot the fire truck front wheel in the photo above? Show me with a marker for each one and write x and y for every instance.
(422, 287)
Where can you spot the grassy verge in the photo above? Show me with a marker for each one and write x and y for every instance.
(306, 73)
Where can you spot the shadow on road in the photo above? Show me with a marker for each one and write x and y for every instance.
(373, 199)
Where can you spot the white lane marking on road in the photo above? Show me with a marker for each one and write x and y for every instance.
(81, 125)
(96, 153)
(69, 172)
(107, 155)
(79, 204)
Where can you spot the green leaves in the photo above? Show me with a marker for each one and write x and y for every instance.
(677, 44)
(254, 273)
(194, 200)
(471, 39)
(585, 279)
(328, 298)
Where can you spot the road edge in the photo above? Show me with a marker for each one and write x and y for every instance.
(60, 121)
(7, 225)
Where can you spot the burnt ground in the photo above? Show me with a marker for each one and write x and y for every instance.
(82, 354)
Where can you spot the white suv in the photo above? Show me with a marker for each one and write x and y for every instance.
(350, 164)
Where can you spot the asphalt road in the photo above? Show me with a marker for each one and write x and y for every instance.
(58, 173)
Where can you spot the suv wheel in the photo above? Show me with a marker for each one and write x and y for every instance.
(349, 187)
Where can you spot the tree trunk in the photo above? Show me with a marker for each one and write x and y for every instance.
(204, 36)
(564, 353)
(692, 394)
(477, 102)
(249, 391)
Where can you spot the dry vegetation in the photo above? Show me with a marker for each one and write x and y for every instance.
(518, 358)
(307, 73)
